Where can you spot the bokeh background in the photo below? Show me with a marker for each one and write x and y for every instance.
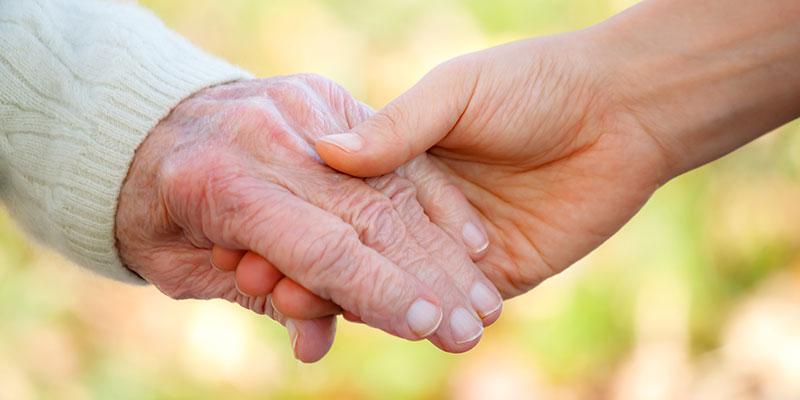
(697, 298)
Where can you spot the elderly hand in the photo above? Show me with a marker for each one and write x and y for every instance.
(234, 166)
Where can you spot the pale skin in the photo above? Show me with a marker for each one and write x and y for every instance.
(557, 142)
(235, 166)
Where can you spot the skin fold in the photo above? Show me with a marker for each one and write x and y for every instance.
(235, 166)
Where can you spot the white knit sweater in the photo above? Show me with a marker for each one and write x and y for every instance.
(82, 82)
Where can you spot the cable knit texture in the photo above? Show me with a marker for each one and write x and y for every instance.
(81, 84)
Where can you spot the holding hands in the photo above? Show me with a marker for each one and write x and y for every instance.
(496, 171)
(235, 166)
(540, 145)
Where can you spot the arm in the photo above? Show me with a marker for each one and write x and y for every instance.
(559, 141)
(81, 84)
(705, 77)
(84, 83)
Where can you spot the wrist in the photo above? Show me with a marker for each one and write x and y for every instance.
(142, 213)
(703, 78)
(138, 206)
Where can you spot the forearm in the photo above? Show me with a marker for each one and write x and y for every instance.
(706, 77)
(81, 85)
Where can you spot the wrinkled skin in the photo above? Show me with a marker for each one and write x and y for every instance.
(539, 138)
(235, 166)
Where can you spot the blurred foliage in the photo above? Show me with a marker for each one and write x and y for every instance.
(695, 295)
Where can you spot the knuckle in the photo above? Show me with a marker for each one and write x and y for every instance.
(294, 92)
(259, 123)
(255, 124)
(398, 190)
(312, 77)
(402, 193)
(382, 229)
(315, 81)
(288, 86)
(446, 68)
(205, 192)
(182, 181)
(388, 121)
(445, 192)
(183, 177)
(254, 112)
(300, 110)
(347, 110)
(455, 68)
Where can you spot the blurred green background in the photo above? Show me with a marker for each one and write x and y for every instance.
(698, 297)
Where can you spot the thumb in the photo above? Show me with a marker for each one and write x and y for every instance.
(311, 339)
(407, 127)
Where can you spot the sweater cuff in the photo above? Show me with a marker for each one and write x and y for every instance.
(160, 69)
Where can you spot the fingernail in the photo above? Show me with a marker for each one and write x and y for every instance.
(485, 301)
(276, 315)
(424, 317)
(474, 238)
(346, 141)
(466, 326)
(292, 329)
